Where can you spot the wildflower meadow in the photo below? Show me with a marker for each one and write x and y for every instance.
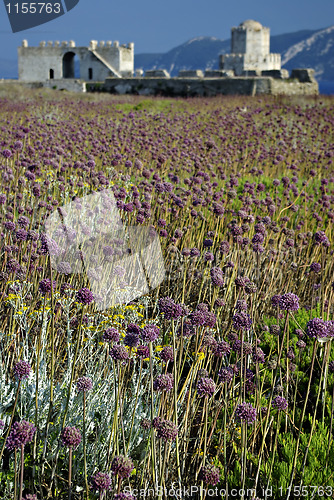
(219, 381)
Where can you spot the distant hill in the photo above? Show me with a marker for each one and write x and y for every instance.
(314, 51)
(301, 49)
(198, 53)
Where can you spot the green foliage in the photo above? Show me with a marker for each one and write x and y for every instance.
(319, 465)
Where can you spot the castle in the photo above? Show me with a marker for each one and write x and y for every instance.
(250, 68)
(55, 61)
(250, 51)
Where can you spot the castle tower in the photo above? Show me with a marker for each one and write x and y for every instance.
(250, 50)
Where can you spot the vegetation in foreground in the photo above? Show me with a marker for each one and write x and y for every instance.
(223, 375)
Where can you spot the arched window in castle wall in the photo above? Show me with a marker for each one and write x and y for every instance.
(51, 74)
(90, 73)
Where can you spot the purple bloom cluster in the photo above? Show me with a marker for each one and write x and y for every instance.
(245, 412)
(317, 328)
(202, 316)
(22, 370)
(143, 351)
(166, 429)
(242, 321)
(84, 384)
(221, 348)
(124, 496)
(21, 433)
(84, 296)
(209, 474)
(111, 335)
(101, 481)
(206, 387)
(119, 353)
(150, 333)
(217, 276)
(163, 382)
(170, 309)
(122, 466)
(225, 375)
(70, 437)
(279, 403)
(45, 286)
(315, 267)
(289, 302)
(166, 354)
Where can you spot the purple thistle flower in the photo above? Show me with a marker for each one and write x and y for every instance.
(258, 355)
(245, 412)
(275, 300)
(84, 384)
(279, 403)
(166, 430)
(209, 474)
(101, 481)
(119, 353)
(317, 328)
(20, 434)
(45, 286)
(10, 226)
(167, 354)
(84, 296)
(222, 348)
(289, 302)
(320, 238)
(133, 328)
(225, 374)
(70, 437)
(6, 153)
(122, 466)
(315, 267)
(241, 305)
(169, 308)
(22, 370)
(206, 387)
(111, 335)
(217, 276)
(150, 333)
(21, 234)
(300, 344)
(163, 382)
(242, 321)
(131, 339)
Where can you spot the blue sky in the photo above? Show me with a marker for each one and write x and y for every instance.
(158, 26)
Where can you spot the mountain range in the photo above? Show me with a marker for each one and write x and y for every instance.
(301, 49)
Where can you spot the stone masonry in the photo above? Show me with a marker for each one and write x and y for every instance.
(55, 61)
(250, 51)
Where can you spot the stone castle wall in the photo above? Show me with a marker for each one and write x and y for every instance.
(54, 60)
(207, 87)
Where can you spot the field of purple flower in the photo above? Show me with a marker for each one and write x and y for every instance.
(222, 376)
